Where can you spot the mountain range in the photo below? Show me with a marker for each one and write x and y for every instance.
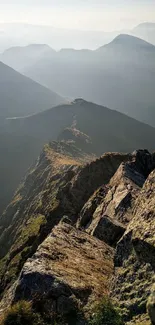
(21, 34)
(120, 75)
(77, 176)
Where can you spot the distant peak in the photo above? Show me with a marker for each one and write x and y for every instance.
(127, 41)
(145, 25)
(29, 47)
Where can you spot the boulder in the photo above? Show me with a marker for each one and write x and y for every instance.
(68, 273)
(108, 230)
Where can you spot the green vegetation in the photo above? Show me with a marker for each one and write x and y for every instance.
(21, 314)
(22, 249)
(105, 313)
(31, 229)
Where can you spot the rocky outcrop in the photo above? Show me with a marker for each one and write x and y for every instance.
(75, 136)
(35, 208)
(135, 255)
(86, 214)
(69, 219)
(116, 200)
(60, 184)
(108, 230)
(68, 273)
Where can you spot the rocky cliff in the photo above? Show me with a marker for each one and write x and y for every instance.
(135, 255)
(79, 229)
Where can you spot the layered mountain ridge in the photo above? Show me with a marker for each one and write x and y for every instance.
(93, 128)
(119, 75)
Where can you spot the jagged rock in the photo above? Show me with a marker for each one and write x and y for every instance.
(144, 161)
(108, 230)
(135, 255)
(69, 271)
(90, 207)
(71, 268)
(58, 185)
(117, 199)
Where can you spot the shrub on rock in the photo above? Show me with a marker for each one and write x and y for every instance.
(106, 313)
(22, 314)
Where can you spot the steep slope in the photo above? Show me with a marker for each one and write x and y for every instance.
(63, 270)
(110, 209)
(120, 75)
(94, 129)
(58, 185)
(134, 259)
(21, 96)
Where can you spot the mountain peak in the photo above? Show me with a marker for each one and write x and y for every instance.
(36, 47)
(125, 39)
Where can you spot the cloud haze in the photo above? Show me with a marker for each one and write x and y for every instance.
(79, 14)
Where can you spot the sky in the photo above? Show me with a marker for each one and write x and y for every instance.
(79, 14)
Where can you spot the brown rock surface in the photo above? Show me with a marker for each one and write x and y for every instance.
(60, 184)
(116, 200)
(69, 271)
(70, 268)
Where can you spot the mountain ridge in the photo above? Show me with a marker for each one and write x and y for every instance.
(93, 128)
(50, 244)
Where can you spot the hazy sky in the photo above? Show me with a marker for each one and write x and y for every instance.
(79, 14)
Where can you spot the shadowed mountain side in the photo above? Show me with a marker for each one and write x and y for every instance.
(21, 96)
(95, 129)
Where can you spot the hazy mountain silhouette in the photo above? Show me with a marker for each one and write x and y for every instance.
(120, 75)
(22, 34)
(21, 96)
(20, 57)
(125, 42)
(96, 129)
(145, 31)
